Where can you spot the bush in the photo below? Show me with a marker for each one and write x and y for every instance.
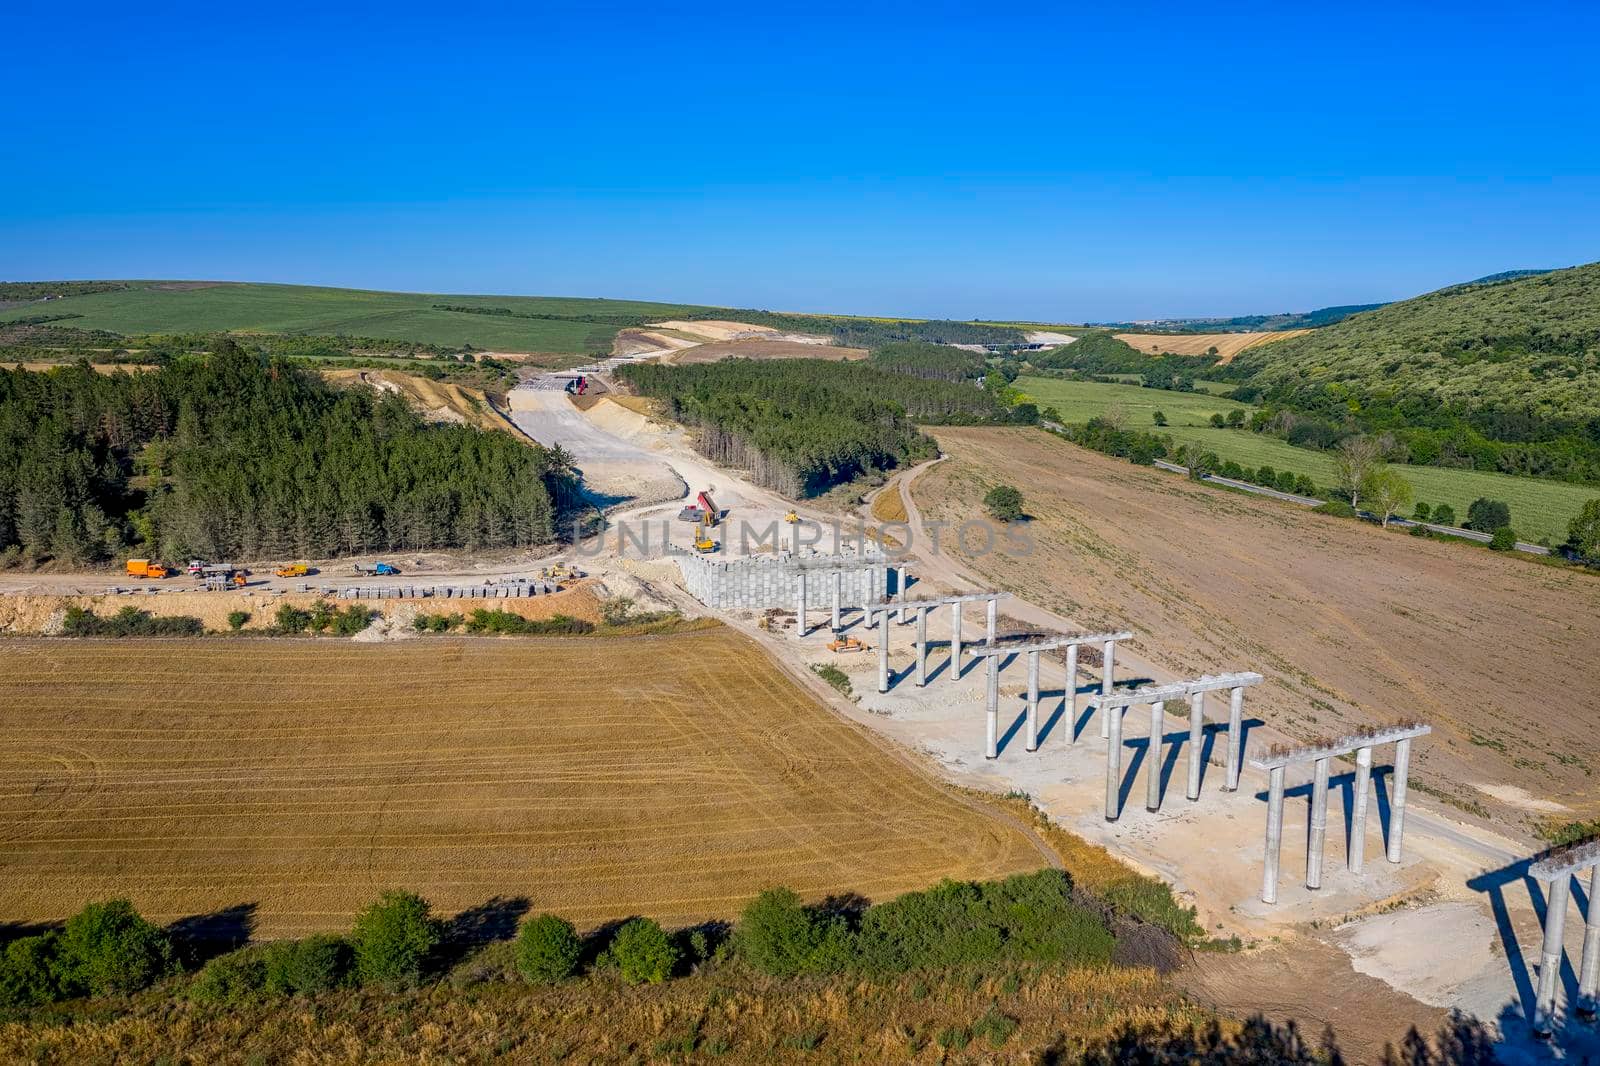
(1503, 540)
(781, 937)
(1420, 530)
(1004, 503)
(392, 940)
(107, 948)
(643, 951)
(1266, 476)
(1421, 512)
(1236, 418)
(1444, 515)
(129, 622)
(231, 978)
(436, 623)
(28, 968)
(1304, 486)
(548, 949)
(237, 619)
(314, 964)
(1160, 418)
(1583, 532)
(1487, 516)
(352, 620)
(1233, 470)
(1337, 508)
(291, 619)
(498, 621)
(1217, 420)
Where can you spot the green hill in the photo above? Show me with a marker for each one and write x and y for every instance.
(563, 325)
(1496, 375)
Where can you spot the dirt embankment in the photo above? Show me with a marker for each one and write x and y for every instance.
(1351, 625)
(436, 401)
(36, 614)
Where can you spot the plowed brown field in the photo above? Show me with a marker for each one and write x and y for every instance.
(1350, 624)
(598, 778)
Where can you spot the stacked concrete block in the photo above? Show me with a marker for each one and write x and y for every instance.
(757, 584)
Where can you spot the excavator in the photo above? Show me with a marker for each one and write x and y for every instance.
(702, 540)
(842, 644)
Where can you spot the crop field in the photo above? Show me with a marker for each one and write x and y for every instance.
(1350, 624)
(1539, 509)
(1227, 345)
(199, 308)
(289, 781)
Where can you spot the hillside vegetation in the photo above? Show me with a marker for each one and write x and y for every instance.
(1495, 376)
(237, 455)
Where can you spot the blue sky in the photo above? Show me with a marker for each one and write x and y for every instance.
(963, 161)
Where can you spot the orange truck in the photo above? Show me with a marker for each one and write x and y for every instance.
(293, 570)
(145, 568)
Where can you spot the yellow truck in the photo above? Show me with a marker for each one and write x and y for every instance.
(293, 570)
(145, 568)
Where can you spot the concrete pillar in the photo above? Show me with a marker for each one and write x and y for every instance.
(1112, 716)
(800, 604)
(992, 709)
(1589, 975)
(838, 596)
(922, 646)
(1235, 738)
(796, 527)
(1358, 810)
(989, 610)
(955, 639)
(1319, 825)
(1555, 927)
(883, 654)
(1197, 733)
(1397, 797)
(1152, 784)
(1069, 699)
(1107, 671)
(900, 592)
(1033, 702)
(1269, 873)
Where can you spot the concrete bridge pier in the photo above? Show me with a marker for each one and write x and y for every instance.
(1319, 825)
(900, 591)
(991, 610)
(955, 639)
(922, 646)
(838, 596)
(1235, 738)
(1197, 731)
(1108, 669)
(800, 604)
(1555, 927)
(1111, 717)
(1033, 702)
(1397, 798)
(1589, 973)
(883, 654)
(1358, 812)
(992, 710)
(1269, 877)
(1152, 784)
(1069, 699)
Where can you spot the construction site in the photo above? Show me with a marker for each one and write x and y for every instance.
(859, 676)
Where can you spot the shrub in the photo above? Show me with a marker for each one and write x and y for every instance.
(1583, 532)
(1421, 512)
(313, 964)
(291, 619)
(1337, 508)
(995, 1027)
(436, 623)
(833, 676)
(780, 936)
(231, 978)
(1265, 476)
(1503, 540)
(1004, 503)
(107, 948)
(352, 620)
(1304, 486)
(498, 621)
(1160, 418)
(237, 619)
(643, 952)
(1236, 418)
(392, 940)
(1420, 530)
(1233, 470)
(1487, 516)
(1285, 482)
(548, 949)
(1444, 515)
(28, 967)
(129, 622)
(1217, 420)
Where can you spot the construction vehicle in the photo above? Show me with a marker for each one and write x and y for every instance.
(145, 568)
(702, 540)
(846, 644)
(791, 518)
(561, 572)
(292, 570)
(197, 567)
(376, 569)
(712, 515)
(579, 385)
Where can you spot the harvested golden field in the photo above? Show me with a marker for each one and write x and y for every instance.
(888, 505)
(597, 778)
(762, 348)
(1227, 345)
(1349, 623)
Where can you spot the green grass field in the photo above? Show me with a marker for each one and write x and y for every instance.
(1540, 510)
(307, 309)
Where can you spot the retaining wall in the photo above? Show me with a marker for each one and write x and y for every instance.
(775, 582)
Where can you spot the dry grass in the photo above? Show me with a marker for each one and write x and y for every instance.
(1227, 345)
(670, 776)
(1350, 624)
(723, 1017)
(889, 505)
(762, 348)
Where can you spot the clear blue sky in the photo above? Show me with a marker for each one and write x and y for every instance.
(1114, 162)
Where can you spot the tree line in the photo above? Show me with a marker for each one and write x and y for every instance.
(237, 455)
(801, 426)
